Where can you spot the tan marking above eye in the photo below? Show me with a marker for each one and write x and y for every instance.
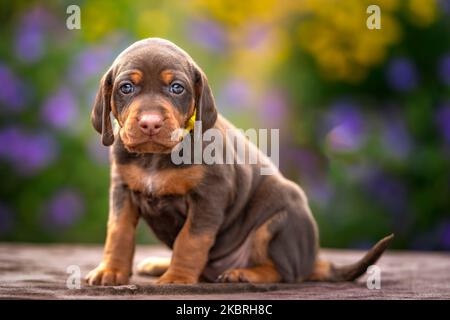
(167, 76)
(136, 77)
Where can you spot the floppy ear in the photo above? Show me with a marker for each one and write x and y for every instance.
(100, 115)
(204, 101)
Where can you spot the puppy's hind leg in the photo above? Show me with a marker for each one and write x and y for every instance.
(153, 266)
(261, 268)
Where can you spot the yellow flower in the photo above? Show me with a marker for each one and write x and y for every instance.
(422, 12)
(235, 13)
(152, 23)
(336, 36)
(99, 18)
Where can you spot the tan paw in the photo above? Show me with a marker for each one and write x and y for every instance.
(104, 276)
(235, 275)
(153, 266)
(170, 277)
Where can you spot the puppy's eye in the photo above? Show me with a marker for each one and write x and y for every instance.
(127, 88)
(176, 88)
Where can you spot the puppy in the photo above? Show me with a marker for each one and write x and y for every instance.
(224, 222)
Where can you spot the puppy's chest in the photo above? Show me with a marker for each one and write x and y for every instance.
(161, 196)
(160, 182)
(165, 215)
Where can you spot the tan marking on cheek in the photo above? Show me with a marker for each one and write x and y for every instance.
(128, 120)
(167, 76)
(174, 118)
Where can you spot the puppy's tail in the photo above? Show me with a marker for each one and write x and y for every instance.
(326, 271)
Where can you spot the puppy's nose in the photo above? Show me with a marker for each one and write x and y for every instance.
(150, 123)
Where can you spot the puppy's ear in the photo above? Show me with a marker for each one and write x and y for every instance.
(100, 115)
(204, 101)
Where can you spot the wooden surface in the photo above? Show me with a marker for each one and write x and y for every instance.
(40, 272)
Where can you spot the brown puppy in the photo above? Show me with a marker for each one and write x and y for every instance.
(224, 222)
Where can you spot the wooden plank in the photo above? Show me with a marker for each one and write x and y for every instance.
(40, 272)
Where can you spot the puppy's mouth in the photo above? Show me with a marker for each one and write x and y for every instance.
(147, 144)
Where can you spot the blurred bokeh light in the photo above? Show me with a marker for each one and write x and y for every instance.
(364, 115)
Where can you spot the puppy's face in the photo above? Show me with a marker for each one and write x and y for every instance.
(152, 98)
(152, 89)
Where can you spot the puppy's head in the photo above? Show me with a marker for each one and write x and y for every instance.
(152, 89)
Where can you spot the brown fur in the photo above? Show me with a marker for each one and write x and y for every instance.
(154, 267)
(136, 76)
(327, 271)
(115, 268)
(223, 222)
(264, 273)
(162, 182)
(190, 255)
(321, 271)
(136, 141)
(167, 76)
(262, 269)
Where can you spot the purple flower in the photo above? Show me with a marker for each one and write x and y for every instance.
(445, 235)
(436, 238)
(234, 94)
(8, 137)
(402, 74)
(345, 127)
(312, 176)
(308, 162)
(256, 36)
(64, 208)
(97, 151)
(12, 91)
(27, 152)
(60, 110)
(444, 70)
(6, 219)
(37, 151)
(443, 121)
(395, 137)
(89, 63)
(358, 171)
(208, 34)
(388, 191)
(320, 191)
(273, 108)
(29, 44)
(445, 6)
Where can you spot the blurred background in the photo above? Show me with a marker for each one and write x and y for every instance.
(364, 115)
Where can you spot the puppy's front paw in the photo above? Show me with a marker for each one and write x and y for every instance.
(174, 278)
(107, 276)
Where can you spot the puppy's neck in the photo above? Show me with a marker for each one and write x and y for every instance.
(122, 156)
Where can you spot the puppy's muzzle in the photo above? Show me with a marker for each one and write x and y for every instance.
(150, 123)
